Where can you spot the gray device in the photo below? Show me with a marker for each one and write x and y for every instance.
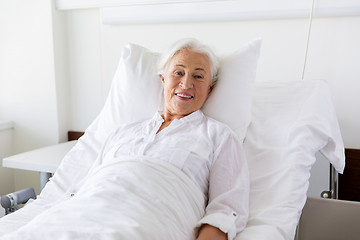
(10, 201)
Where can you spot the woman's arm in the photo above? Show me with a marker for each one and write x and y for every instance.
(228, 205)
(208, 232)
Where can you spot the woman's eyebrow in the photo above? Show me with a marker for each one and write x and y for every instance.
(197, 69)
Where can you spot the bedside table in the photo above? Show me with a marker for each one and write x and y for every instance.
(44, 160)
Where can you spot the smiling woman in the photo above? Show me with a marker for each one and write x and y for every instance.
(187, 84)
(188, 73)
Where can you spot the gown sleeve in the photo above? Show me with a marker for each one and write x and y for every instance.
(228, 205)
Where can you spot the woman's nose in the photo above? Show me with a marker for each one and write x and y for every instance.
(186, 82)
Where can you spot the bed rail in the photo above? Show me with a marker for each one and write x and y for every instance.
(11, 201)
(333, 192)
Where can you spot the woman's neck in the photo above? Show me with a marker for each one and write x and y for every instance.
(168, 118)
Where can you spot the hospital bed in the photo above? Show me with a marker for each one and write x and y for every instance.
(282, 124)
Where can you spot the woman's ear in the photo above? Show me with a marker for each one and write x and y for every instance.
(210, 89)
(162, 78)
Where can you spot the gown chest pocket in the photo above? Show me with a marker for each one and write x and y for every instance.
(187, 152)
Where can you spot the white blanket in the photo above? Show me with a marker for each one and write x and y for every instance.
(125, 199)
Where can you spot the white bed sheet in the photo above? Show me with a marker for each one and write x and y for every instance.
(144, 197)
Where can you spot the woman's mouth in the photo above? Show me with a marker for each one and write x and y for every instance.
(184, 95)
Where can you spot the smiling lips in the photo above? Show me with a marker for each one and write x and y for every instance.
(184, 96)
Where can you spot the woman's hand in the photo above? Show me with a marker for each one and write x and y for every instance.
(208, 232)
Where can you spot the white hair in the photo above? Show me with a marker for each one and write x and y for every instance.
(195, 45)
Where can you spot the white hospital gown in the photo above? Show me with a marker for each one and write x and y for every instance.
(207, 151)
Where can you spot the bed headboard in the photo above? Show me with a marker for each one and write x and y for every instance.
(349, 182)
(74, 135)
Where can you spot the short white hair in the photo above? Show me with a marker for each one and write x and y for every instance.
(195, 45)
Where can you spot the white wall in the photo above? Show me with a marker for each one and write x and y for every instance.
(6, 175)
(27, 79)
(85, 71)
(61, 71)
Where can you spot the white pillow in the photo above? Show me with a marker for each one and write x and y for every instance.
(291, 121)
(231, 99)
(136, 94)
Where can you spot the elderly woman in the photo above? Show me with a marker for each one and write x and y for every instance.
(188, 74)
(207, 152)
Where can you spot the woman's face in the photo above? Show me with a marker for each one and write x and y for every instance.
(186, 83)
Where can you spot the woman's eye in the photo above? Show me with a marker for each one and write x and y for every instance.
(198, 77)
(178, 73)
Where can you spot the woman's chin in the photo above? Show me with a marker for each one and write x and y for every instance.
(180, 112)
